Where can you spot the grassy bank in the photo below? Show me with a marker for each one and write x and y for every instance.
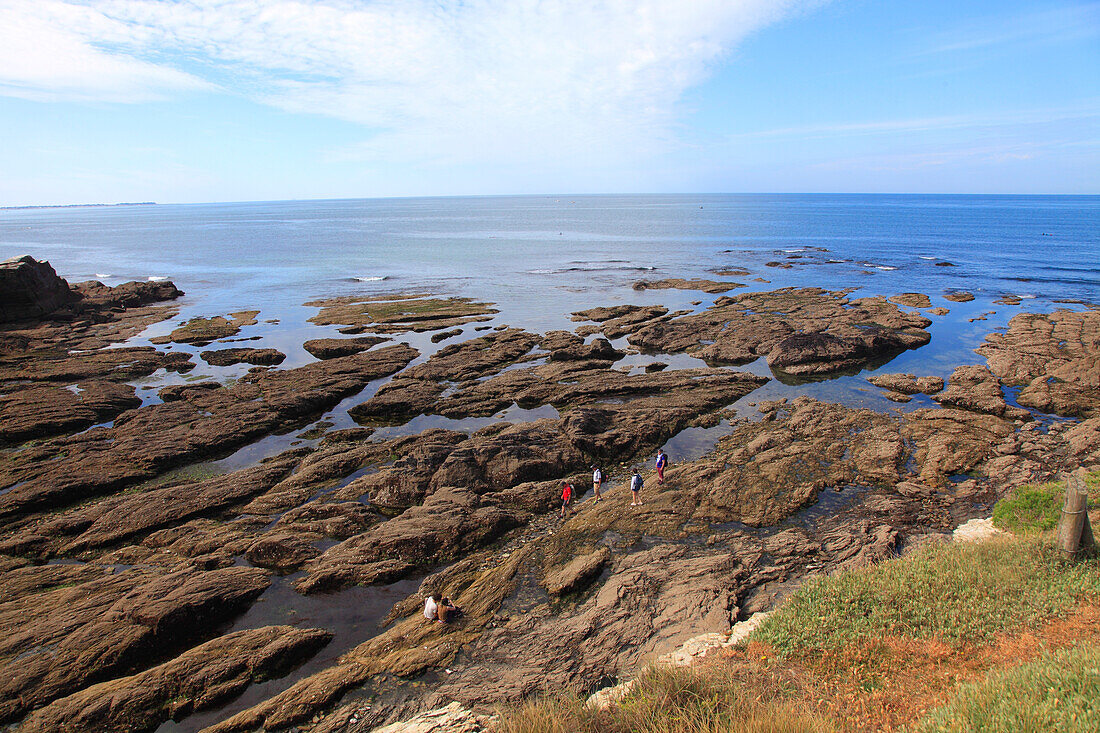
(1000, 635)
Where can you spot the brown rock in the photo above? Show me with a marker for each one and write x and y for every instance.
(959, 296)
(201, 331)
(1057, 357)
(451, 521)
(160, 436)
(31, 289)
(334, 348)
(907, 384)
(580, 571)
(281, 551)
(400, 312)
(58, 641)
(45, 411)
(228, 357)
(707, 286)
(975, 388)
(198, 679)
(803, 331)
(912, 300)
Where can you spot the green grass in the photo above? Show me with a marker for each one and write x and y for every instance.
(958, 593)
(1037, 508)
(1059, 691)
(1030, 508)
(666, 700)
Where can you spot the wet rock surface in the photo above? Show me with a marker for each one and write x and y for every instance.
(907, 384)
(1055, 357)
(202, 331)
(400, 312)
(80, 629)
(228, 357)
(203, 424)
(334, 348)
(707, 286)
(199, 678)
(799, 331)
(154, 553)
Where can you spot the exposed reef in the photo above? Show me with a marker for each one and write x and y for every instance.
(127, 553)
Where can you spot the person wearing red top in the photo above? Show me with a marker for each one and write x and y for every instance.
(566, 497)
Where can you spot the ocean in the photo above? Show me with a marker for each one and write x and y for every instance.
(540, 258)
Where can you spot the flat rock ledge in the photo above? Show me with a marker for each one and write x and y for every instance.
(452, 718)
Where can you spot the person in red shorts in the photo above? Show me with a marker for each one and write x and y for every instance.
(662, 461)
(566, 497)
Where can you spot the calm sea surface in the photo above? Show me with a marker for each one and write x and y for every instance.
(541, 257)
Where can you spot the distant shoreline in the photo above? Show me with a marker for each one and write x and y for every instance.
(78, 206)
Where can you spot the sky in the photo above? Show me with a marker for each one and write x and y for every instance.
(243, 100)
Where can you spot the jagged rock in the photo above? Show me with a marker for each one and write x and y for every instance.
(334, 348)
(452, 718)
(57, 641)
(30, 289)
(975, 388)
(401, 312)
(959, 296)
(1057, 357)
(449, 522)
(800, 331)
(202, 331)
(907, 384)
(619, 320)
(228, 357)
(198, 679)
(44, 411)
(281, 551)
(599, 350)
(578, 572)
(158, 437)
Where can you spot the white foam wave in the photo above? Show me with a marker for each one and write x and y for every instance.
(372, 278)
(103, 274)
(926, 257)
(884, 267)
(157, 278)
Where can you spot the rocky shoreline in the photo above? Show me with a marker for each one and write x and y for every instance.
(122, 559)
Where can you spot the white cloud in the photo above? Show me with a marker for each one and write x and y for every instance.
(441, 81)
(47, 53)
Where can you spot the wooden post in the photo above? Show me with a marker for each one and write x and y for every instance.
(1074, 530)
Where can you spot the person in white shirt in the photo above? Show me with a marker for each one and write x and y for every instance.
(431, 609)
(597, 479)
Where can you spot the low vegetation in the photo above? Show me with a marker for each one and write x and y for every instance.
(999, 635)
(1059, 691)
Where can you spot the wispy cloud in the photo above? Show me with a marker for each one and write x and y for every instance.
(1087, 111)
(435, 80)
(1060, 24)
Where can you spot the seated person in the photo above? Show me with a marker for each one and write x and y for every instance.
(441, 610)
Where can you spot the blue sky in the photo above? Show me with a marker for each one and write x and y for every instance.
(232, 100)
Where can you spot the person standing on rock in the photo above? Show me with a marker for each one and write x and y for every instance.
(635, 487)
(566, 497)
(662, 461)
(597, 479)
